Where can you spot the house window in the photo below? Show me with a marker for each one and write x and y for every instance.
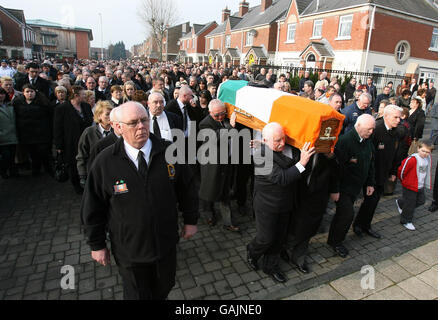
(211, 43)
(291, 28)
(193, 43)
(249, 38)
(345, 24)
(434, 43)
(49, 40)
(317, 29)
(227, 41)
(402, 52)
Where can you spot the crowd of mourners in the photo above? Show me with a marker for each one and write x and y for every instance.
(67, 113)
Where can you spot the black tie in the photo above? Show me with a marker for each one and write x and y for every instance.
(32, 82)
(185, 119)
(157, 131)
(142, 165)
(106, 133)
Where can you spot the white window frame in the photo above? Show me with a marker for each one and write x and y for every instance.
(290, 27)
(228, 41)
(342, 21)
(434, 40)
(211, 43)
(193, 43)
(249, 39)
(317, 23)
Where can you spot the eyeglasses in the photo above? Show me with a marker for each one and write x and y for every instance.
(135, 123)
(217, 115)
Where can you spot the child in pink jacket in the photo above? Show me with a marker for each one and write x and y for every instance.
(415, 175)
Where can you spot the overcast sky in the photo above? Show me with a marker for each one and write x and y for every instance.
(119, 17)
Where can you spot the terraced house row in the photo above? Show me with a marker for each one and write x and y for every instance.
(386, 36)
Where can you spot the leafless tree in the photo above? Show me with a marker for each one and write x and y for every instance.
(157, 16)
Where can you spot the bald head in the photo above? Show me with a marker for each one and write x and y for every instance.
(365, 125)
(274, 137)
(185, 94)
(133, 123)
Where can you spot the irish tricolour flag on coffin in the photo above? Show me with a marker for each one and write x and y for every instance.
(303, 120)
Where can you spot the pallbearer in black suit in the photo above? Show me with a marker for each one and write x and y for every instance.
(385, 141)
(184, 109)
(162, 122)
(273, 198)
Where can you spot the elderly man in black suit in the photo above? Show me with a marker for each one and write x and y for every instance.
(183, 108)
(275, 177)
(216, 176)
(162, 122)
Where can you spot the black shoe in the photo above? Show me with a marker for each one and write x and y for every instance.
(341, 250)
(433, 207)
(277, 276)
(252, 263)
(303, 268)
(358, 231)
(284, 255)
(373, 234)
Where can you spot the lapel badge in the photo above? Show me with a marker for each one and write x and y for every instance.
(171, 171)
(120, 187)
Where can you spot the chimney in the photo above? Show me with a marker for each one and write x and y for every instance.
(244, 8)
(225, 14)
(265, 5)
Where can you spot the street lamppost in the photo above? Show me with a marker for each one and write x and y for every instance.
(101, 29)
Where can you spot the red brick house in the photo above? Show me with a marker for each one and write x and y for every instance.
(16, 36)
(192, 44)
(248, 36)
(338, 35)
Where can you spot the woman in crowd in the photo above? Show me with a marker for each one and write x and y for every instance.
(168, 85)
(404, 100)
(421, 93)
(204, 100)
(33, 115)
(90, 98)
(416, 119)
(128, 91)
(71, 119)
(8, 137)
(141, 82)
(91, 135)
(116, 96)
(402, 87)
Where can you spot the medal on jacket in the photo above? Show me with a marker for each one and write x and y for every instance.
(381, 146)
(171, 171)
(120, 187)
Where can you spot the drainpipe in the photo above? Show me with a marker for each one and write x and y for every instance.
(369, 38)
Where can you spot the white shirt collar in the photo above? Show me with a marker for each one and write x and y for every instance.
(387, 128)
(133, 152)
(115, 100)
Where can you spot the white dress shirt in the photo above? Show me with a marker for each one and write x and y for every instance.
(181, 106)
(163, 123)
(133, 152)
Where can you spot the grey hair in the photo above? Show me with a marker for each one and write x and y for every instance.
(185, 89)
(366, 95)
(391, 108)
(155, 94)
(103, 78)
(363, 119)
(60, 89)
(269, 128)
(215, 103)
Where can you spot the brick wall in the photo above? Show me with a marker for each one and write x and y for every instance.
(12, 35)
(389, 30)
(82, 45)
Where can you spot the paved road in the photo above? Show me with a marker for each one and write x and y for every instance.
(40, 233)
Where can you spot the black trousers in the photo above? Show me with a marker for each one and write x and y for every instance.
(342, 220)
(305, 224)
(408, 202)
(435, 187)
(40, 155)
(270, 237)
(149, 282)
(244, 172)
(7, 159)
(73, 173)
(368, 207)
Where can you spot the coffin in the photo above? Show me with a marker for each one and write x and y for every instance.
(303, 120)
